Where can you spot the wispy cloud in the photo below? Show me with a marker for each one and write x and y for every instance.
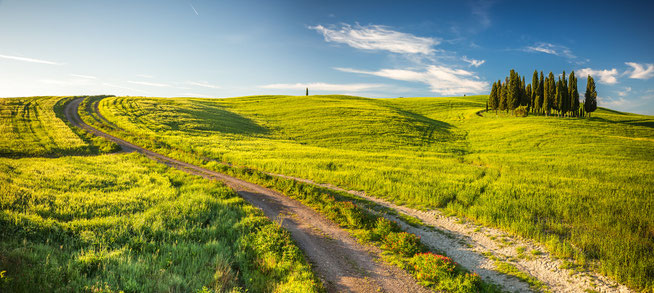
(83, 76)
(610, 102)
(605, 76)
(624, 92)
(65, 82)
(321, 86)
(473, 62)
(552, 49)
(149, 83)
(441, 80)
(639, 71)
(203, 84)
(194, 10)
(32, 60)
(480, 9)
(378, 37)
(634, 103)
(144, 76)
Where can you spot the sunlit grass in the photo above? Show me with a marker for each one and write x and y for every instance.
(30, 127)
(123, 222)
(583, 186)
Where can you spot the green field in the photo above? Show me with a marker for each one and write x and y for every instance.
(121, 222)
(583, 186)
(36, 127)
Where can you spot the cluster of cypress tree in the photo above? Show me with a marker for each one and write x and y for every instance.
(544, 96)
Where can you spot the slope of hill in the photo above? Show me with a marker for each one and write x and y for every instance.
(583, 186)
(29, 126)
(121, 222)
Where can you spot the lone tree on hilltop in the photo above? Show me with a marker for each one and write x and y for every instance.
(307, 91)
(590, 97)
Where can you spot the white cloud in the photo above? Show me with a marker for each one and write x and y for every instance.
(83, 76)
(606, 76)
(639, 71)
(32, 60)
(552, 49)
(321, 86)
(203, 84)
(612, 103)
(441, 80)
(150, 83)
(378, 37)
(473, 62)
(624, 92)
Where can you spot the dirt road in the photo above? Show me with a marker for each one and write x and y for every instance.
(472, 246)
(339, 261)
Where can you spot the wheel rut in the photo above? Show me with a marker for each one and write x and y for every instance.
(338, 259)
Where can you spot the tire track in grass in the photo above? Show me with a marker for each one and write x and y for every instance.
(339, 260)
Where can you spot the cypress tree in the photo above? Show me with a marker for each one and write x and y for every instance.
(523, 93)
(504, 97)
(552, 92)
(527, 95)
(590, 97)
(559, 97)
(548, 94)
(541, 92)
(307, 91)
(546, 98)
(565, 103)
(573, 93)
(493, 99)
(534, 92)
(514, 91)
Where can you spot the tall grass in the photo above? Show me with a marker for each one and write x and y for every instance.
(583, 186)
(124, 223)
(36, 127)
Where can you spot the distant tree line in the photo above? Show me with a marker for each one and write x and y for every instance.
(544, 96)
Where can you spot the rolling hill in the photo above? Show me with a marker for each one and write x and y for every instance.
(581, 186)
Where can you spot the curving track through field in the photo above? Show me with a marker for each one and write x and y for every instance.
(339, 261)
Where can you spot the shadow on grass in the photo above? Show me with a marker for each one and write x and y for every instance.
(209, 116)
(633, 122)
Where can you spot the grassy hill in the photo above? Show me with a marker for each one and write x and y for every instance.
(583, 186)
(105, 223)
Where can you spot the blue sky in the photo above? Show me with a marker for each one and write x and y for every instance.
(368, 48)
